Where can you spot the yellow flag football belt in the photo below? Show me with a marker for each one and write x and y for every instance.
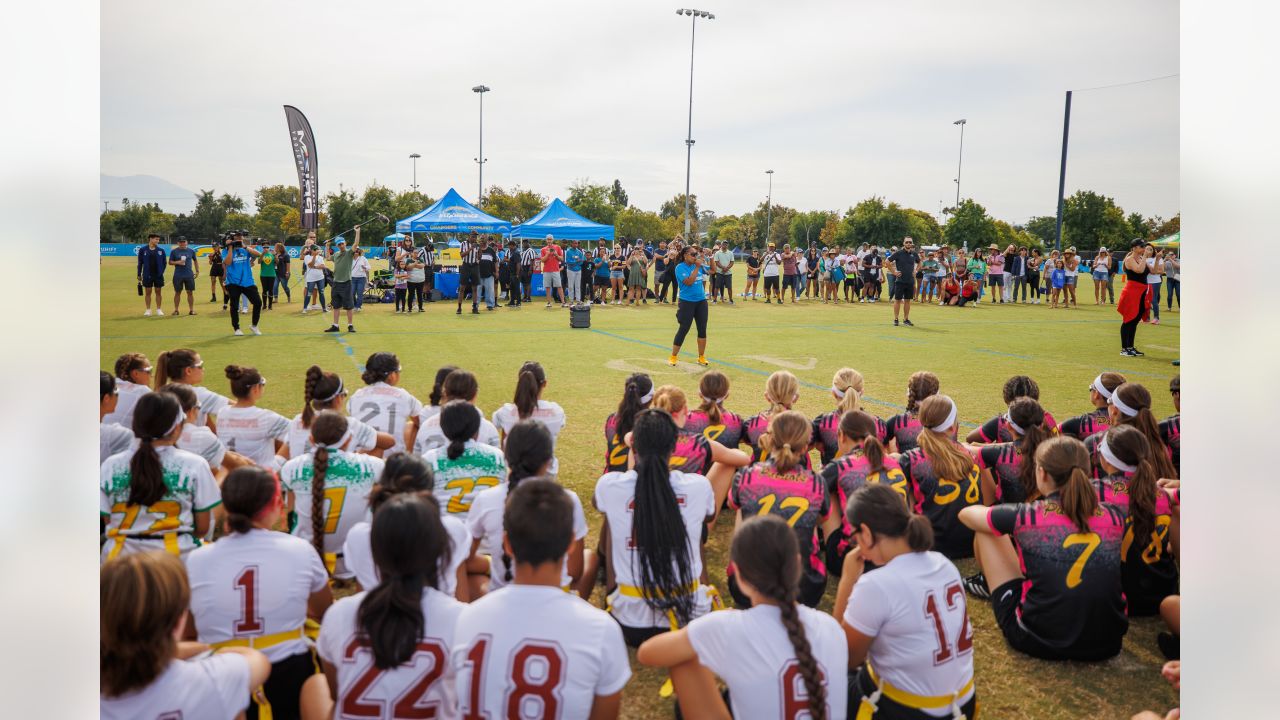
(869, 707)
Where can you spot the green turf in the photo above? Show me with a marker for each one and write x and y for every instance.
(972, 350)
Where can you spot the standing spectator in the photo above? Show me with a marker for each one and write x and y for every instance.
(400, 280)
(852, 266)
(802, 274)
(1071, 264)
(1154, 278)
(573, 258)
(770, 270)
(488, 267)
(753, 274)
(283, 273)
(903, 262)
(313, 261)
(789, 262)
(1172, 276)
(636, 265)
(617, 273)
(469, 271)
(995, 273)
(216, 272)
(723, 263)
(151, 262)
(600, 273)
(1102, 289)
(668, 278)
(359, 277)
(237, 259)
(427, 256)
(1033, 275)
(340, 295)
(812, 258)
(416, 264)
(929, 266)
(186, 268)
(1016, 266)
(512, 272)
(551, 257)
(659, 269)
(266, 273)
(977, 272)
(527, 256)
(1009, 254)
(1057, 281)
(871, 275)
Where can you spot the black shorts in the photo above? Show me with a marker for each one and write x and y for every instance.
(184, 283)
(995, 279)
(1005, 601)
(468, 275)
(770, 283)
(215, 271)
(602, 280)
(285, 684)
(861, 686)
(635, 636)
(901, 290)
(340, 296)
(870, 276)
(150, 281)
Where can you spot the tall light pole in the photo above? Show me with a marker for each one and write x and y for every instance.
(414, 157)
(1062, 173)
(688, 142)
(768, 212)
(481, 90)
(961, 122)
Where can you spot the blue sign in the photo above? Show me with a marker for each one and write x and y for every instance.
(131, 250)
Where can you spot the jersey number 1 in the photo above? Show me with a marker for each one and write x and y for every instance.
(543, 687)
(247, 583)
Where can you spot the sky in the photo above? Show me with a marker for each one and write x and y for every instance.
(843, 100)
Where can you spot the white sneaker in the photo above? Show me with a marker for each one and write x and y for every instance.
(159, 311)
(238, 332)
(359, 309)
(147, 313)
(254, 329)
(304, 311)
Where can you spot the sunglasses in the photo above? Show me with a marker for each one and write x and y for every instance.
(146, 369)
(199, 365)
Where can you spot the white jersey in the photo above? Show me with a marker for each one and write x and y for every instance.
(750, 651)
(615, 497)
(363, 437)
(210, 403)
(547, 413)
(254, 584)
(113, 439)
(200, 440)
(903, 605)
(210, 688)
(533, 651)
(770, 264)
(421, 687)
(485, 524)
(431, 436)
(457, 481)
(169, 523)
(430, 411)
(347, 482)
(127, 395)
(253, 432)
(357, 551)
(386, 408)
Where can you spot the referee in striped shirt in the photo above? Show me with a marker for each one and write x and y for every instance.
(427, 256)
(469, 273)
(527, 256)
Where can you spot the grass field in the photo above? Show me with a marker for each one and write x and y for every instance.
(973, 351)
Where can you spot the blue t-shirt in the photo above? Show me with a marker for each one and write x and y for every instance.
(183, 271)
(238, 270)
(151, 262)
(690, 293)
(602, 266)
(1058, 277)
(573, 259)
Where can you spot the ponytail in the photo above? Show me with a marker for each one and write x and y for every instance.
(787, 440)
(1079, 499)
(528, 449)
(1138, 397)
(153, 419)
(782, 389)
(665, 566)
(403, 473)
(1130, 446)
(1066, 462)
(327, 431)
(1028, 415)
(246, 493)
(172, 365)
(528, 388)
(860, 426)
(638, 386)
(713, 388)
(767, 555)
(437, 387)
(847, 382)
(460, 422)
(313, 376)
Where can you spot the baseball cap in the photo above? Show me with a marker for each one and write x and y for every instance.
(550, 237)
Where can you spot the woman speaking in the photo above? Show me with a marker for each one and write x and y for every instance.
(1134, 298)
(692, 294)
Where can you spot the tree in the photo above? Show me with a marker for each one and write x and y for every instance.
(107, 226)
(516, 204)
(286, 195)
(827, 238)
(807, 226)
(923, 228)
(632, 222)
(592, 202)
(970, 226)
(236, 221)
(231, 203)
(1018, 237)
(1043, 228)
(1168, 227)
(344, 211)
(874, 223)
(618, 196)
(133, 220)
(160, 222)
(1090, 220)
(269, 222)
(207, 216)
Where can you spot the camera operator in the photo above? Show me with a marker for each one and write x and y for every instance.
(237, 258)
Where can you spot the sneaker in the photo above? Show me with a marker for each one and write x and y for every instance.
(671, 361)
(976, 585)
(895, 322)
(862, 300)
(767, 301)
(191, 312)
(548, 304)
(237, 332)
(908, 323)
(332, 328)
(1127, 353)
(1136, 352)
(161, 312)
(351, 328)
(703, 361)
(475, 309)
(254, 329)
(147, 313)
(304, 310)
(1169, 645)
(1156, 321)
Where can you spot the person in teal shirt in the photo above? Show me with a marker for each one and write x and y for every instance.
(977, 271)
(692, 297)
(573, 270)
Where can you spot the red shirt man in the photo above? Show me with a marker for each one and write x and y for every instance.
(552, 256)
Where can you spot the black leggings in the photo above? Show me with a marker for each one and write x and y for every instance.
(234, 292)
(1129, 330)
(268, 287)
(667, 281)
(1033, 282)
(415, 291)
(688, 313)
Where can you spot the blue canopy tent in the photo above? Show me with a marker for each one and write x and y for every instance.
(452, 214)
(560, 221)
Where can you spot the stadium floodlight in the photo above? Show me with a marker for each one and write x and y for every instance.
(688, 142)
(481, 90)
(960, 164)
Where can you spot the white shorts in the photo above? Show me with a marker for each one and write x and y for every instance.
(551, 280)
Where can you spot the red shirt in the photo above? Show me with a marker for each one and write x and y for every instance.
(551, 257)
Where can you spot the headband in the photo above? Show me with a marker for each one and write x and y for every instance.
(951, 418)
(346, 436)
(838, 392)
(1016, 427)
(335, 394)
(1102, 389)
(717, 401)
(177, 422)
(1111, 458)
(646, 397)
(1121, 406)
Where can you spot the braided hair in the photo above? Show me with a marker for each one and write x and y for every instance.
(528, 450)
(662, 547)
(920, 385)
(326, 432)
(767, 557)
(317, 386)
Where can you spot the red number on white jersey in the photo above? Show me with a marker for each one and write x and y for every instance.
(535, 676)
(249, 622)
(795, 696)
(409, 705)
(954, 595)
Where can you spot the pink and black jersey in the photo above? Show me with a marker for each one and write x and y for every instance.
(905, 429)
(1091, 444)
(996, 430)
(751, 432)
(1149, 573)
(1072, 599)
(845, 475)
(1082, 426)
(798, 497)
(615, 448)
(692, 454)
(1005, 463)
(727, 432)
(1171, 432)
(826, 433)
(941, 500)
